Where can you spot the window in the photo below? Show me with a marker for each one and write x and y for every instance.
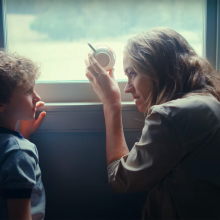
(55, 33)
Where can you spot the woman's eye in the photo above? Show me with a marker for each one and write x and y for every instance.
(131, 74)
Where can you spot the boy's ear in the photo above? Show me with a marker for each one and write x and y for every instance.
(2, 107)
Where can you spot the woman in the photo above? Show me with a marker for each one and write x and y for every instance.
(178, 156)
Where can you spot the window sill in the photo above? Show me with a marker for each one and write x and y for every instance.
(73, 91)
(86, 117)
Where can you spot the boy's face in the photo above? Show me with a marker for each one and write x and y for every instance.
(22, 105)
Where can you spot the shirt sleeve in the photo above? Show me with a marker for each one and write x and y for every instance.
(18, 174)
(151, 159)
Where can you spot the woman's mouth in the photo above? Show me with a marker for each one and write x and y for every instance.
(136, 99)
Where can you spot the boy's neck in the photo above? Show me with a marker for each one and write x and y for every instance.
(9, 124)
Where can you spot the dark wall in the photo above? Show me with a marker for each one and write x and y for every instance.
(74, 174)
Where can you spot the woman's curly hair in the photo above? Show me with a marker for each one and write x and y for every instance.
(172, 65)
(15, 71)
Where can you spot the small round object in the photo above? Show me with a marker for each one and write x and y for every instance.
(105, 57)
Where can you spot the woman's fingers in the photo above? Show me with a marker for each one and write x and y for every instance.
(96, 66)
(90, 69)
(89, 76)
(111, 73)
(93, 68)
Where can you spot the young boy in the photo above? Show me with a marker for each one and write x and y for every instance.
(21, 190)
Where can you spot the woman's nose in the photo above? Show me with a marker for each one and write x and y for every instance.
(129, 88)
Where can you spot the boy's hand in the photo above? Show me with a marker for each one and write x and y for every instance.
(29, 127)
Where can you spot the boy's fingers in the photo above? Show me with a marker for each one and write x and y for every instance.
(39, 119)
(38, 104)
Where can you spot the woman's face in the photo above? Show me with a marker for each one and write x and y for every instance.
(139, 85)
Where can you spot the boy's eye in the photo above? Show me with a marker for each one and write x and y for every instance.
(29, 90)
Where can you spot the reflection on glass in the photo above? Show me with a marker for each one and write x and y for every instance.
(55, 33)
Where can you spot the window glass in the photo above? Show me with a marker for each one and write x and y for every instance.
(55, 33)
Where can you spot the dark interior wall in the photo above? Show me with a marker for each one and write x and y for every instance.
(74, 174)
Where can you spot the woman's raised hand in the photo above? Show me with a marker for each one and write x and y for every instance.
(103, 83)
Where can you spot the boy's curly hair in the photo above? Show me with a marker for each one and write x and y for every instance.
(15, 71)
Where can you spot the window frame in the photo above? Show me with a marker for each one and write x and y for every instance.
(212, 32)
(79, 113)
(218, 37)
(59, 91)
(76, 88)
(3, 32)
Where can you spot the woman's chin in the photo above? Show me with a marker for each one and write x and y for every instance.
(141, 109)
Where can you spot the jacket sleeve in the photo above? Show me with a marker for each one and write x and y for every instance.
(152, 158)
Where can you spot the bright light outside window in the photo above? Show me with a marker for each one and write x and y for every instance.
(55, 33)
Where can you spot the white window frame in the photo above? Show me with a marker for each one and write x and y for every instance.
(71, 91)
(77, 112)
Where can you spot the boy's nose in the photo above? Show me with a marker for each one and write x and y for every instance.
(37, 98)
(128, 88)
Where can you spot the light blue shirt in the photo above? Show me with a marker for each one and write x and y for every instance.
(20, 174)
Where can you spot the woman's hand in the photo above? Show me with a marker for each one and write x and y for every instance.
(19, 209)
(108, 91)
(29, 127)
(103, 83)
